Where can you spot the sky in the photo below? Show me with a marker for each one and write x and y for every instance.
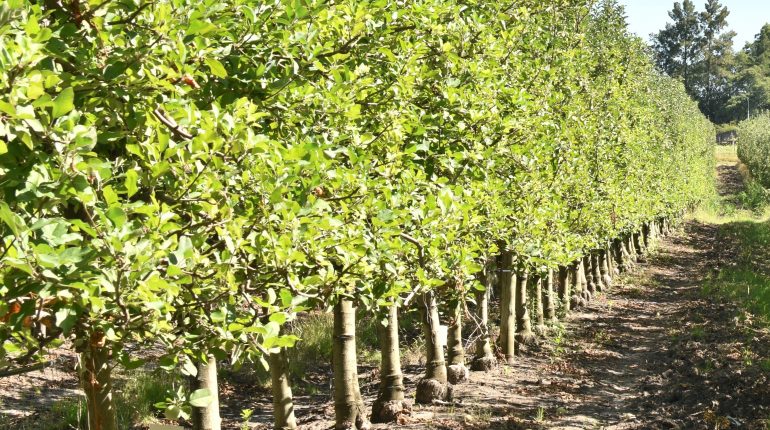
(746, 17)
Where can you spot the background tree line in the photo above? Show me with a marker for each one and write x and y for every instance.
(698, 49)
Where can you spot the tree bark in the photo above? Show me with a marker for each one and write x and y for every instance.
(540, 327)
(640, 250)
(207, 417)
(628, 254)
(434, 385)
(507, 338)
(349, 409)
(576, 299)
(565, 295)
(484, 359)
(596, 271)
(283, 403)
(96, 380)
(390, 403)
(605, 267)
(646, 236)
(583, 271)
(588, 272)
(618, 256)
(524, 333)
(549, 300)
(456, 371)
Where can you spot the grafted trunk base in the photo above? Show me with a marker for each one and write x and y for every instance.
(483, 364)
(457, 373)
(524, 341)
(429, 390)
(390, 411)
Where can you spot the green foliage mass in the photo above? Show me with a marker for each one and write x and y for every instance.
(754, 147)
(193, 173)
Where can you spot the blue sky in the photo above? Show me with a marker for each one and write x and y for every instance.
(746, 16)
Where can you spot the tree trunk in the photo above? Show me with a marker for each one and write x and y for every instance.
(628, 254)
(349, 409)
(524, 333)
(484, 360)
(549, 300)
(390, 404)
(565, 295)
(96, 380)
(618, 256)
(207, 417)
(583, 271)
(640, 251)
(507, 338)
(540, 327)
(457, 373)
(576, 299)
(433, 386)
(646, 236)
(588, 272)
(596, 271)
(605, 268)
(283, 403)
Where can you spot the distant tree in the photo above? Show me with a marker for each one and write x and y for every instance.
(718, 62)
(697, 49)
(679, 47)
(751, 84)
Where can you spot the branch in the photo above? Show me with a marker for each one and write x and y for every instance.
(130, 18)
(415, 242)
(25, 369)
(171, 124)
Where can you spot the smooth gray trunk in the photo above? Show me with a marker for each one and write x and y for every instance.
(596, 271)
(349, 409)
(283, 401)
(484, 359)
(576, 299)
(434, 385)
(540, 327)
(456, 371)
(524, 333)
(565, 294)
(390, 404)
(207, 417)
(549, 299)
(508, 282)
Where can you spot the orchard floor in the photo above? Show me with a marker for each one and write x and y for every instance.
(653, 352)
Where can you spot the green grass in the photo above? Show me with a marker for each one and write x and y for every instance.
(743, 221)
(726, 153)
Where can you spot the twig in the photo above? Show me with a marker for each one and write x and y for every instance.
(171, 124)
(25, 369)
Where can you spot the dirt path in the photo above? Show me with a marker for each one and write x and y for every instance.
(652, 353)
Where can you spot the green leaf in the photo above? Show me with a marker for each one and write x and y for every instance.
(117, 216)
(7, 216)
(65, 318)
(201, 398)
(217, 69)
(132, 178)
(63, 103)
(188, 368)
